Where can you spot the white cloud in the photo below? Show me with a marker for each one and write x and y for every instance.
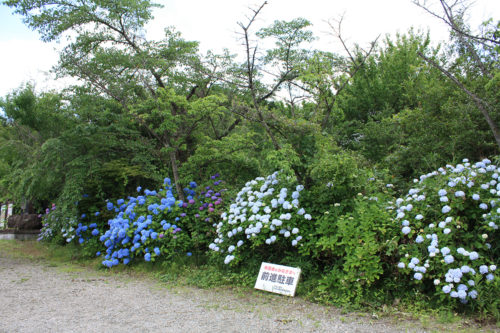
(26, 61)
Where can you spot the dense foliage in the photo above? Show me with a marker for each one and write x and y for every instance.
(340, 136)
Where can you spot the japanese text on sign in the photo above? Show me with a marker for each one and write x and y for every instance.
(278, 279)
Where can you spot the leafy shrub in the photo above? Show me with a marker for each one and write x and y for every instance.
(449, 221)
(357, 250)
(85, 231)
(56, 228)
(262, 222)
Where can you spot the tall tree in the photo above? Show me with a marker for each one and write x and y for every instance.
(108, 51)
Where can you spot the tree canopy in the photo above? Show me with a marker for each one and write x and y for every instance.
(148, 107)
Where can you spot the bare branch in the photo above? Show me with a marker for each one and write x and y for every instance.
(448, 10)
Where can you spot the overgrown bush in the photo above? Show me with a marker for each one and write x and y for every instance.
(356, 247)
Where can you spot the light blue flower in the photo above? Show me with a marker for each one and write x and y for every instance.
(442, 192)
(483, 269)
(483, 206)
(473, 255)
(490, 277)
(446, 209)
(445, 251)
(449, 259)
(401, 265)
(417, 276)
(475, 196)
(473, 294)
(406, 230)
(147, 257)
(446, 289)
(465, 269)
(419, 239)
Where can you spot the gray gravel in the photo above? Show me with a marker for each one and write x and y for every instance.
(38, 297)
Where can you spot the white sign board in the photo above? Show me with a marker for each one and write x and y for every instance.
(3, 210)
(278, 279)
(9, 210)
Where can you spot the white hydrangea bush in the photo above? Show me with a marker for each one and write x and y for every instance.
(449, 223)
(265, 213)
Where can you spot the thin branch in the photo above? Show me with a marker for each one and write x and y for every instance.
(452, 26)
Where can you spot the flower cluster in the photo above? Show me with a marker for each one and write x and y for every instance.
(261, 215)
(48, 224)
(450, 219)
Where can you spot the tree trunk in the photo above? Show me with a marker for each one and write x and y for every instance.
(175, 171)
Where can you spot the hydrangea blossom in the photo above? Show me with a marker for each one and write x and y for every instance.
(442, 199)
(265, 213)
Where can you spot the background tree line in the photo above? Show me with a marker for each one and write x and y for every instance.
(147, 109)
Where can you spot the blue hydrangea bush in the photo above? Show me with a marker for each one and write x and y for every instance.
(266, 214)
(449, 223)
(84, 230)
(156, 224)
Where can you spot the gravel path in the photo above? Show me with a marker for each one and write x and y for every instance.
(37, 297)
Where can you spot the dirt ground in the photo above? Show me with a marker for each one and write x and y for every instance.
(37, 296)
